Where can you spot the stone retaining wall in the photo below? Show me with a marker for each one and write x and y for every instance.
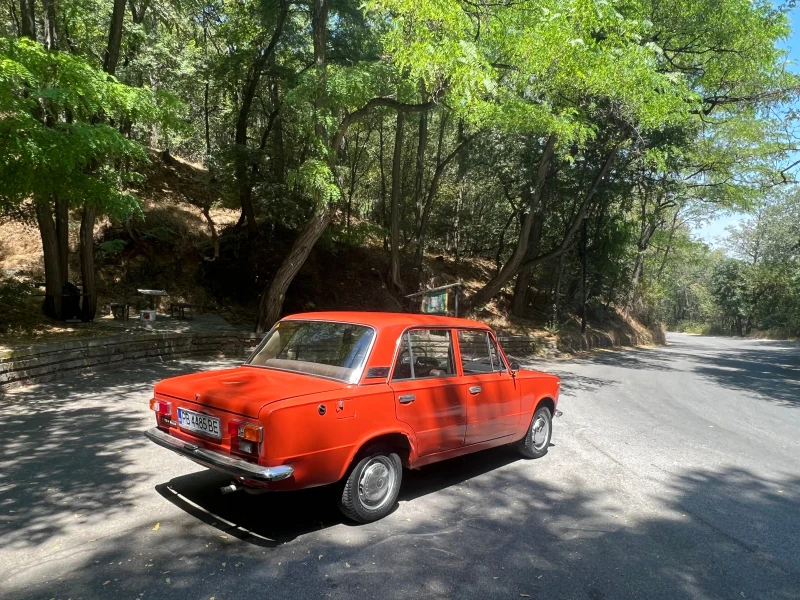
(40, 363)
(518, 345)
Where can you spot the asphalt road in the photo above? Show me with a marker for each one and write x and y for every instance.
(674, 473)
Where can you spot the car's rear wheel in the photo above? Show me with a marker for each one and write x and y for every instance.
(371, 489)
(537, 439)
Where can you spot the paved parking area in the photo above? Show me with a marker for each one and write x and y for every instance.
(674, 473)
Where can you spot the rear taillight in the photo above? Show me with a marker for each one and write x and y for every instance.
(245, 437)
(252, 433)
(160, 406)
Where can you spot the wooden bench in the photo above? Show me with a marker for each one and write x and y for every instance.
(180, 308)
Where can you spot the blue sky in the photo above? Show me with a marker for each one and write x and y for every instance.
(716, 228)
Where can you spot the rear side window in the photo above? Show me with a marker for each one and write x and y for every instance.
(425, 353)
(479, 353)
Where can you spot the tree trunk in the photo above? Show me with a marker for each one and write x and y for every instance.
(638, 265)
(495, 285)
(319, 35)
(52, 271)
(278, 153)
(206, 110)
(557, 294)
(514, 263)
(441, 166)
(213, 229)
(636, 275)
(422, 227)
(114, 37)
(50, 37)
(269, 310)
(522, 285)
(89, 214)
(422, 143)
(501, 244)
(89, 305)
(241, 156)
(384, 223)
(246, 195)
(27, 20)
(394, 269)
(62, 237)
(672, 229)
(523, 282)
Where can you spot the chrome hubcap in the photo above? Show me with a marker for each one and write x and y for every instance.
(376, 481)
(540, 431)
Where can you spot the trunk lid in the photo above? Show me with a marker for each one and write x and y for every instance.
(243, 390)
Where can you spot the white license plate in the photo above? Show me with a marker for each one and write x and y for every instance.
(193, 421)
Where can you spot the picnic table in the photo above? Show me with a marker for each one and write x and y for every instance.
(153, 294)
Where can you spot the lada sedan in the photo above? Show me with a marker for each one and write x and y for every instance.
(352, 398)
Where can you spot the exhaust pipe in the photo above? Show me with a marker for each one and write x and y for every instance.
(229, 489)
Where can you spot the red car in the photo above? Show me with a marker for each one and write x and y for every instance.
(353, 397)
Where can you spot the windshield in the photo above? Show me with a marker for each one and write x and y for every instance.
(334, 350)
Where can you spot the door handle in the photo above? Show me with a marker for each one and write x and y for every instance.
(407, 399)
(475, 389)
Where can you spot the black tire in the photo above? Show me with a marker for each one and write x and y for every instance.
(530, 447)
(377, 468)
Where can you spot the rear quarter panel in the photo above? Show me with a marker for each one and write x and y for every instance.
(320, 447)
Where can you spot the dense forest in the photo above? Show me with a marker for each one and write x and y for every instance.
(539, 135)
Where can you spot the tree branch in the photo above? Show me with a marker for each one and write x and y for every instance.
(365, 110)
(566, 242)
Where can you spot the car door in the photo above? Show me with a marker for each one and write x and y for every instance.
(427, 390)
(489, 390)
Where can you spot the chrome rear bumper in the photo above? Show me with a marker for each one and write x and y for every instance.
(217, 460)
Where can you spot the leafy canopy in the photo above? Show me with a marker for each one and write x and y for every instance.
(56, 115)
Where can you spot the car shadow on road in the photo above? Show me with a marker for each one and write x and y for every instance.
(275, 518)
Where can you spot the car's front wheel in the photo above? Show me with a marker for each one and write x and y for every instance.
(371, 489)
(537, 438)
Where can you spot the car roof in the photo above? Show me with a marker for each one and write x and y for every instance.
(380, 320)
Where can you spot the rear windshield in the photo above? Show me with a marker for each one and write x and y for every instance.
(333, 350)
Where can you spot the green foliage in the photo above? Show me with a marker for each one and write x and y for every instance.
(315, 178)
(113, 246)
(684, 92)
(729, 288)
(160, 233)
(14, 302)
(529, 67)
(54, 141)
(755, 287)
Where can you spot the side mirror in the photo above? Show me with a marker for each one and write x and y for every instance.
(514, 367)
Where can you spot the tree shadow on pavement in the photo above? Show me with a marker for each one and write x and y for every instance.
(487, 525)
(493, 533)
(769, 369)
(572, 383)
(65, 451)
(639, 359)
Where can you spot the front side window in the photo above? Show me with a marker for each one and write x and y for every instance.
(334, 350)
(425, 353)
(479, 353)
